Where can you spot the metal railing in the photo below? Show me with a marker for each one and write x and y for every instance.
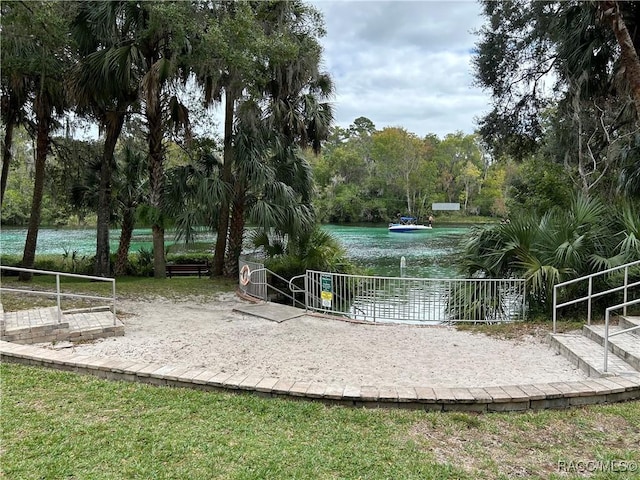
(591, 294)
(607, 335)
(393, 299)
(254, 281)
(58, 293)
(415, 300)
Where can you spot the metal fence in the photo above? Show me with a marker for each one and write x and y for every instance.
(389, 299)
(415, 300)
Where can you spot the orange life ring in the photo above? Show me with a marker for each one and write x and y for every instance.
(245, 275)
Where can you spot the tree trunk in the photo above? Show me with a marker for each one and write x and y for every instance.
(236, 232)
(628, 54)
(226, 173)
(113, 122)
(156, 177)
(6, 158)
(43, 119)
(126, 232)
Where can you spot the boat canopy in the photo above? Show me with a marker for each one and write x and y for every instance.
(407, 219)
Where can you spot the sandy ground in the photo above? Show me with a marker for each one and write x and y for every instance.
(308, 348)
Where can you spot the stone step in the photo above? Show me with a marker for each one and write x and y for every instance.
(589, 356)
(628, 322)
(624, 345)
(32, 318)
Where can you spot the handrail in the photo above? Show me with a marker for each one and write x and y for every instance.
(606, 328)
(58, 293)
(293, 287)
(590, 295)
(268, 285)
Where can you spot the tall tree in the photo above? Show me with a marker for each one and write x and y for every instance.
(41, 63)
(166, 38)
(554, 70)
(12, 103)
(225, 77)
(275, 63)
(399, 155)
(130, 192)
(14, 83)
(104, 86)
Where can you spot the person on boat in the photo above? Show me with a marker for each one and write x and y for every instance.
(431, 220)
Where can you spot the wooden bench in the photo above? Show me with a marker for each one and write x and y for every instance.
(187, 269)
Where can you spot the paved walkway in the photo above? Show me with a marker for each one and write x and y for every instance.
(40, 325)
(493, 398)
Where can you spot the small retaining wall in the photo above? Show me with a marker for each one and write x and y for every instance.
(487, 399)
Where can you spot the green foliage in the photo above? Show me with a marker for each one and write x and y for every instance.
(143, 263)
(472, 302)
(584, 238)
(15, 207)
(189, 258)
(561, 86)
(538, 187)
(315, 250)
(367, 175)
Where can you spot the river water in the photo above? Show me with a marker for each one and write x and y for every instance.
(431, 253)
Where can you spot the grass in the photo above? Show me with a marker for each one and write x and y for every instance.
(539, 327)
(63, 425)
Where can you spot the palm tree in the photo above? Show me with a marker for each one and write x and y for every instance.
(193, 191)
(12, 114)
(138, 48)
(172, 39)
(558, 246)
(38, 57)
(292, 111)
(104, 85)
(130, 192)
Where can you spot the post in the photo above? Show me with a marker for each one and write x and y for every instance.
(589, 304)
(555, 309)
(58, 298)
(606, 340)
(375, 298)
(403, 265)
(626, 283)
(113, 290)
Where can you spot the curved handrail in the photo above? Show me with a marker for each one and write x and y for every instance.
(268, 285)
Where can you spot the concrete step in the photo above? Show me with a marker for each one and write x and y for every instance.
(589, 356)
(624, 345)
(628, 322)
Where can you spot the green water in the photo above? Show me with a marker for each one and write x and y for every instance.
(428, 254)
(83, 241)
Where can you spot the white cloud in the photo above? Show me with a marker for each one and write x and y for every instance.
(404, 63)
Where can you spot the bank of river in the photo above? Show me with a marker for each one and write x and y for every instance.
(429, 254)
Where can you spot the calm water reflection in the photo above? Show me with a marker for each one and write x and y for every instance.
(428, 254)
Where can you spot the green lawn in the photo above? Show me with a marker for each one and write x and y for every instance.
(58, 425)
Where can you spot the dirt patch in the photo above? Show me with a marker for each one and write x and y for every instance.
(528, 445)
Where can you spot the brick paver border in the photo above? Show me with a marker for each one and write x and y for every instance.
(488, 399)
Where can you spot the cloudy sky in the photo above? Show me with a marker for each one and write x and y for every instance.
(404, 63)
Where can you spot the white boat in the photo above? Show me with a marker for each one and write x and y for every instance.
(408, 225)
